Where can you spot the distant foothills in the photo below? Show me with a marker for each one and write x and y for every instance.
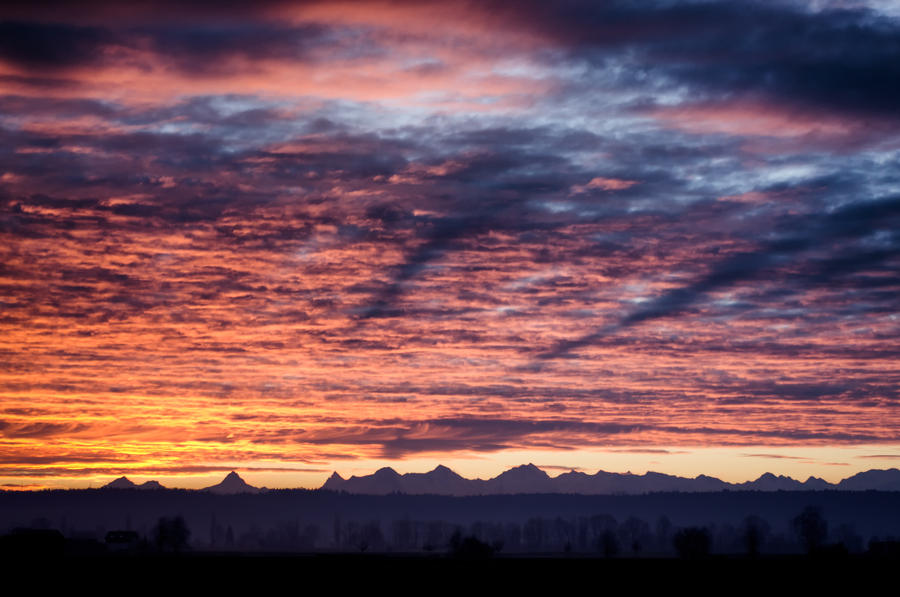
(528, 478)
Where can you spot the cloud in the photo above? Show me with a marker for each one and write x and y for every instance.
(855, 221)
(208, 221)
(52, 46)
(39, 429)
(841, 60)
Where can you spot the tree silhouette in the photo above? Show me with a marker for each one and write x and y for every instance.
(171, 534)
(609, 544)
(663, 532)
(533, 534)
(635, 533)
(469, 547)
(603, 528)
(754, 531)
(811, 528)
(372, 536)
(847, 536)
(692, 542)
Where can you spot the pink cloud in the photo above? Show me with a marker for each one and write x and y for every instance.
(603, 184)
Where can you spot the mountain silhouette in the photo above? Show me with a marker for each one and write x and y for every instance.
(528, 478)
(232, 484)
(770, 482)
(126, 483)
(334, 482)
(816, 484)
(120, 483)
(439, 480)
(882, 480)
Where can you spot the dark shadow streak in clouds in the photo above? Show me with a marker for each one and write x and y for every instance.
(852, 222)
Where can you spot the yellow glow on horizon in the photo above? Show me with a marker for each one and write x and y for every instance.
(731, 464)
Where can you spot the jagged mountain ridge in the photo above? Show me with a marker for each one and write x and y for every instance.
(528, 478)
(126, 483)
(531, 479)
(233, 484)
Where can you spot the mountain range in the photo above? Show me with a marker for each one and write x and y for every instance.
(528, 478)
(126, 483)
(231, 484)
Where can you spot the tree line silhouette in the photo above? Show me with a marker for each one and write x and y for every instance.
(598, 535)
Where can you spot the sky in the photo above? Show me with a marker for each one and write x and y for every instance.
(288, 238)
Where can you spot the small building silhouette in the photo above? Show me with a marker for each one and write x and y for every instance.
(122, 541)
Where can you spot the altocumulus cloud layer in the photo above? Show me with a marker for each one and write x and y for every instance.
(311, 231)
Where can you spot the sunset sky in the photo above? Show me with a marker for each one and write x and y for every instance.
(287, 238)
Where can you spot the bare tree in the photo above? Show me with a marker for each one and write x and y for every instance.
(811, 528)
(171, 534)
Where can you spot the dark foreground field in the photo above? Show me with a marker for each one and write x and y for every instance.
(339, 574)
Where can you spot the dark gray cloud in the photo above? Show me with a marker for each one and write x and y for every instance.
(397, 439)
(841, 60)
(815, 233)
(52, 46)
(194, 48)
